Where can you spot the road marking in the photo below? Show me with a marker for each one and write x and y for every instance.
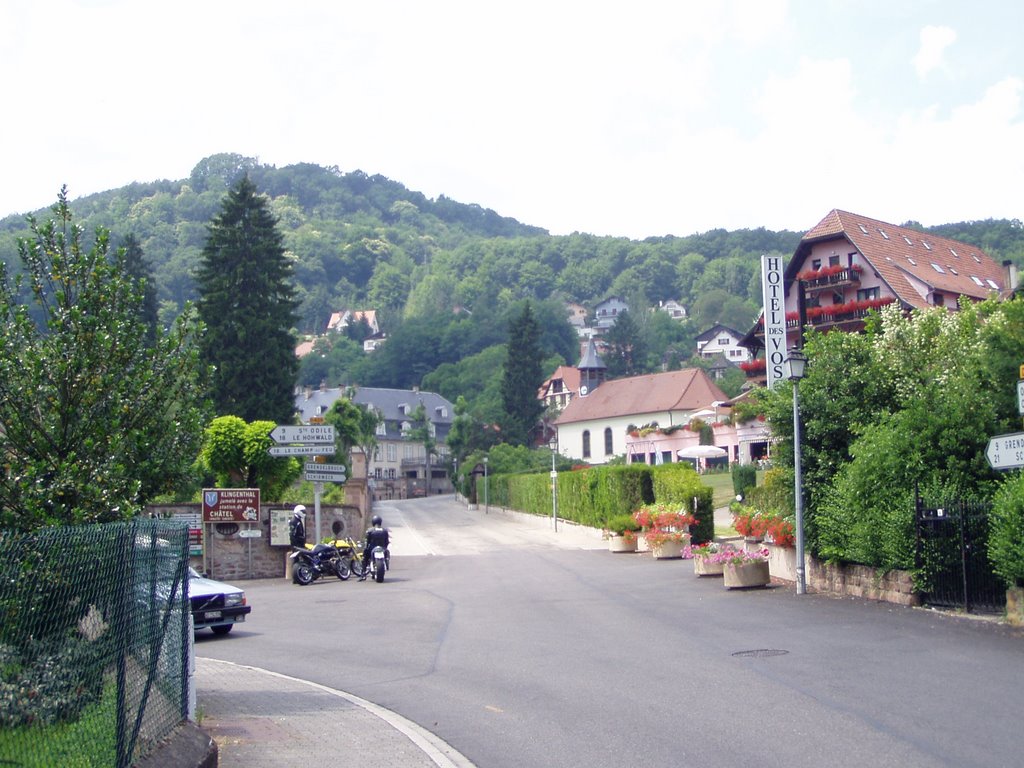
(434, 747)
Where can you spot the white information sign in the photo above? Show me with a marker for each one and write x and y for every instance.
(1006, 451)
(310, 433)
(774, 296)
(322, 449)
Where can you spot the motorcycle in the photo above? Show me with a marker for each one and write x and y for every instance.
(351, 552)
(380, 561)
(311, 563)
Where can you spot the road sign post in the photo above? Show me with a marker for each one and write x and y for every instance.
(305, 434)
(1006, 451)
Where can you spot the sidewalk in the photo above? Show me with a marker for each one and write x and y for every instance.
(261, 719)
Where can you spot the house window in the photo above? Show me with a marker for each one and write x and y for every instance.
(938, 300)
(392, 452)
(838, 298)
(816, 264)
(586, 444)
(608, 441)
(833, 260)
(866, 294)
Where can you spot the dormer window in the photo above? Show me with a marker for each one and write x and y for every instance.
(406, 427)
(403, 408)
(441, 411)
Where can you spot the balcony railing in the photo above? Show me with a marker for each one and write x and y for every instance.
(830, 277)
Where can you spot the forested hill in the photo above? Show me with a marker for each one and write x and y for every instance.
(444, 276)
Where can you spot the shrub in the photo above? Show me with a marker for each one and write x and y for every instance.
(744, 476)
(1006, 532)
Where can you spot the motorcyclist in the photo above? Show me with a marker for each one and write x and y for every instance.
(297, 527)
(377, 536)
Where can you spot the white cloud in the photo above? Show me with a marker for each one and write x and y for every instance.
(934, 42)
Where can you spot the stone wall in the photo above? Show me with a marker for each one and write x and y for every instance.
(861, 581)
(228, 556)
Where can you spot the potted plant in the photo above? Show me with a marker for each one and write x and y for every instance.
(741, 569)
(749, 523)
(704, 563)
(666, 531)
(621, 533)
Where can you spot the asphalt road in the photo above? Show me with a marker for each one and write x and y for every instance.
(520, 646)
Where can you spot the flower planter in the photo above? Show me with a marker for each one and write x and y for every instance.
(622, 544)
(752, 543)
(703, 566)
(750, 574)
(670, 549)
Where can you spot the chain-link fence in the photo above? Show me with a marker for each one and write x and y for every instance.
(94, 638)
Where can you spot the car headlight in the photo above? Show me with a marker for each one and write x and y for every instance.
(234, 598)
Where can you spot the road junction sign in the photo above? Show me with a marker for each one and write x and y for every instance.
(1006, 451)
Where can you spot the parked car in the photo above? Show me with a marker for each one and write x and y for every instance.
(215, 605)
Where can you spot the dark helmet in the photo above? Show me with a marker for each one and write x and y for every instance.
(376, 520)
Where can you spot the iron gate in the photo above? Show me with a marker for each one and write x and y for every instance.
(952, 557)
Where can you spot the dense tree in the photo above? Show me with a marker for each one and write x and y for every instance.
(95, 421)
(624, 353)
(138, 269)
(238, 454)
(522, 379)
(355, 426)
(248, 305)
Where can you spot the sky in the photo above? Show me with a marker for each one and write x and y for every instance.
(637, 119)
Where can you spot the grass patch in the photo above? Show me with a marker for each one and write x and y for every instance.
(89, 742)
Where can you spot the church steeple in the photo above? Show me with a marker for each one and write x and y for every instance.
(592, 369)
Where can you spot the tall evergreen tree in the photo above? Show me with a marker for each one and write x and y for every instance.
(522, 379)
(248, 304)
(625, 350)
(138, 268)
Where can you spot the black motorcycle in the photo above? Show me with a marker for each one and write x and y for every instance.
(380, 561)
(322, 560)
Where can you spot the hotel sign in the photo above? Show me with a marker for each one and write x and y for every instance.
(774, 296)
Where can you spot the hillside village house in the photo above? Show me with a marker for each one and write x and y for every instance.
(398, 468)
(849, 264)
(722, 340)
(594, 427)
(607, 312)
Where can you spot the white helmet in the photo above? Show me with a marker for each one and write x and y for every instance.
(300, 511)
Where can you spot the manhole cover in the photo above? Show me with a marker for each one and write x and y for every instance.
(761, 653)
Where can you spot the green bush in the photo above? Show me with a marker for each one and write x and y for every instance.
(1006, 532)
(619, 524)
(744, 476)
(679, 484)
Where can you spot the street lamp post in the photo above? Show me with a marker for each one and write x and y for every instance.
(487, 504)
(796, 366)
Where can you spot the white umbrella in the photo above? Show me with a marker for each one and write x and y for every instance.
(702, 452)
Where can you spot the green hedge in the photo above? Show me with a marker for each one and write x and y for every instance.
(594, 495)
(680, 484)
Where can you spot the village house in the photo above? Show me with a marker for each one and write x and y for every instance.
(849, 264)
(399, 467)
(594, 426)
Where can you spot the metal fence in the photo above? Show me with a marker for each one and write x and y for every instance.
(94, 639)
(952, 557)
